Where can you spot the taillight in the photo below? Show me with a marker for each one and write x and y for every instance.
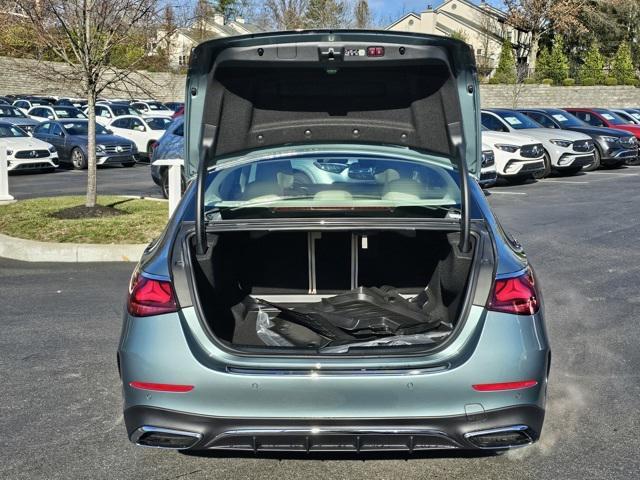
(149, 297)
(515, 295)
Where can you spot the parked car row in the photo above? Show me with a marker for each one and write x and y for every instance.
(533, 142)
(43, 131)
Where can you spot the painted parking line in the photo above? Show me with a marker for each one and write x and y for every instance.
(547, 180)
(619, 174)
(495, 192)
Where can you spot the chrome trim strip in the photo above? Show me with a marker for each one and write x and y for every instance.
(319, 372)
(517, 273)
(138, 433)
(514, 428)
(152, 276)
(347, 430)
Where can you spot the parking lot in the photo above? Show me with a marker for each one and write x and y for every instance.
(61, 405)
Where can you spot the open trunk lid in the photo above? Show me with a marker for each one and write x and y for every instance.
(361, 87)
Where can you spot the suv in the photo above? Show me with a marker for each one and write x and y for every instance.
(374, 303)
(613, 147)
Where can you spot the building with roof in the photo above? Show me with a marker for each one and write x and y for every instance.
(183, 40)
(480, 25)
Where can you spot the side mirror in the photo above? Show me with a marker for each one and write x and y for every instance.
(109, 131)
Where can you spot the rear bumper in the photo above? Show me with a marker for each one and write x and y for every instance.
(475, 430)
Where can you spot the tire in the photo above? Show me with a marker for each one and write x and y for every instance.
(547, 168)
(596, 162)
(78, 159)
(164, 183)
(128, 164)
(613, 165)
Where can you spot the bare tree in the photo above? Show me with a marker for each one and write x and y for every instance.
(285, 14)
(84, 35)
(362, 14)
(540, 16)
(491, 32)
(326, 14)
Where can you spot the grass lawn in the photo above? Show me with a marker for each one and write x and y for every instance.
(122, 220)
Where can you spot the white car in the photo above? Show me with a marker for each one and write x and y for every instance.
(42, 114)
(106, 112)
(25, 105)
(25, 152)
(564, 150)
(517, 157)
(152, 109)
(144, 132)
(488, 172)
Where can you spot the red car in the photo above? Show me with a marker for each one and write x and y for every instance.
(601, 117)
(178, 113)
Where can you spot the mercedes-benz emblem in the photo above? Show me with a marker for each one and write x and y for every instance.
(33, 154)
(118, 149)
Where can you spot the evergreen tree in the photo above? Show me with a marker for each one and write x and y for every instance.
(593, 67)
(558, 62)
(362, 14)
(326, 14)
(506, 71)
(543, 65)
(622, 65)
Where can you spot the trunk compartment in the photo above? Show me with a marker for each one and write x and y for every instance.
(332, 291)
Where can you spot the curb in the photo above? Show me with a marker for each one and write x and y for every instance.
(34, 251)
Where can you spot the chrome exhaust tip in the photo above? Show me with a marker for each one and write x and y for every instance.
(505, 437)
(156, 437)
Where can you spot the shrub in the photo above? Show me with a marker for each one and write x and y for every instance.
(622, 65)
(506, 70)
(610, 81)
(631, 81)
(568, 82)
(530, 81)
(494, 81)
(588, 81)
(547, 81)
(543, 67)
(558, 62)
(593, 67)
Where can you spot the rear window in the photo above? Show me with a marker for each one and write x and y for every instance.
(69, 113)
(158, 123)
(10, 111)
(345, 184)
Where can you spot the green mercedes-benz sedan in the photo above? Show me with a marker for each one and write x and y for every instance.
(333, 278)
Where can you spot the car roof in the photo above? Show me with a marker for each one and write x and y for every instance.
(71, 120)
(499, 110)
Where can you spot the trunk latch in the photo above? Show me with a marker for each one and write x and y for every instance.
(331, 54)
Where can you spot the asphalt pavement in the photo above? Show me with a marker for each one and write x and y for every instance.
(112, 179)
(60, 406)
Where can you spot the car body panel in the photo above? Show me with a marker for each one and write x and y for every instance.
(132, 131)
(561, 156)
(604, 117)
(28, 153)
(512, 163)
(610, 152)
(44, 113)
(66, 142)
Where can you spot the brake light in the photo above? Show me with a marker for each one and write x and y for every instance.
(161, 387)
(149, 297)
(498, 387)
(517, 295)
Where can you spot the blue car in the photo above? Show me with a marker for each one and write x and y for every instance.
(70, 139)
(333, 278)
(170, 146)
